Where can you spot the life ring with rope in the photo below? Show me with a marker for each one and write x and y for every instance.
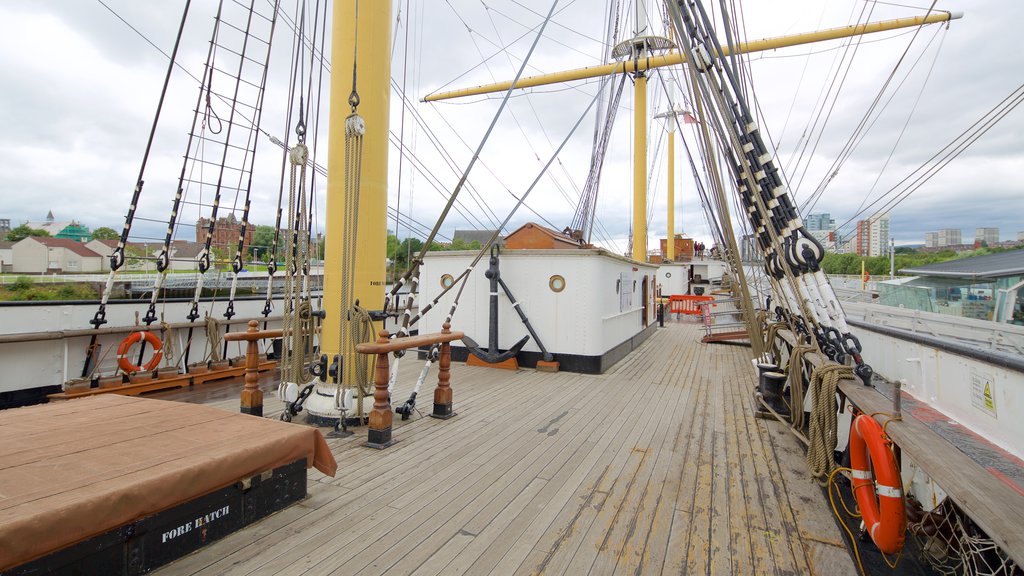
(126, 344)
(881, 502)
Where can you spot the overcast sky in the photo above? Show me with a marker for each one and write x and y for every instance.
(80, 89)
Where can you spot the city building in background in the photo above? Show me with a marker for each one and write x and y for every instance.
(990, 236)
(225, 233)
(872, 237)
(880, 236)
(949, 237)
(823, 228)
(66, 229)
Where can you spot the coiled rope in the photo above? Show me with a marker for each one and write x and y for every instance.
(213, 337)
(824, 420)
(796, 384)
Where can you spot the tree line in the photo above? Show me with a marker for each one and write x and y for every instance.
(850, 264)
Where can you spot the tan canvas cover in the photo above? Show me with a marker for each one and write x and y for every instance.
(72, 470)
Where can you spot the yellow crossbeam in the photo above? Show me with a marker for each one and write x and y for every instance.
(673, 58)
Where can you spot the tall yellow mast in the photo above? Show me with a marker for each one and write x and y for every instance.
(373, 83)
(670, 247)
(640, 168)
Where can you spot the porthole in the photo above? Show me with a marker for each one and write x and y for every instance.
(446, 281)
(668, 274)
(556, 283)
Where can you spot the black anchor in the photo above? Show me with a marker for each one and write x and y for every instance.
(493, 355)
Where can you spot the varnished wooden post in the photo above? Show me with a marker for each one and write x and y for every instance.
(379, 432)
(252, 396)
(443, 392)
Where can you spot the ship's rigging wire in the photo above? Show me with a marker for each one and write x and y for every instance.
(499, 50)
(827, 99)
(921, 175)
(483, 141)
(540, 123)
(117, 259)
(903, 129)
(325, 64)
(863, 124)
(460, 280)
(793, 254)
(401, 133)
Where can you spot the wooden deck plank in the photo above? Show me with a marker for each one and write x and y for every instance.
(683, 509)
(488, 497)
(655, 466)
(666, 494)
(370, 505)
(761, 559)
(601, 499)
(636, 549)
(561, 536)
(523, 551)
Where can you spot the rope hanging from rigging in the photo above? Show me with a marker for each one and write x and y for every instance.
(792, 255)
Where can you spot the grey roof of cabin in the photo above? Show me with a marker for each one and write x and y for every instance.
(481, 236)
(979, 267)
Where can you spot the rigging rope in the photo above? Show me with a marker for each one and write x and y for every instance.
(297, 310)
(117, 259)
(213, 337)
(414, 269)
(349, 368)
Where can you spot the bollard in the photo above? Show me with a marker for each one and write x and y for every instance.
(771, 384)
(252, 396)
(378, 434)
(443, 392)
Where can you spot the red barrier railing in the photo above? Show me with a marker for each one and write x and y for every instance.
(687, 304)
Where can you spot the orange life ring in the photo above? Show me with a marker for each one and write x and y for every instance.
(127, 343)
(881, 503)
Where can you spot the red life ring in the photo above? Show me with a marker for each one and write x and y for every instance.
(881, 503)
(126, 344)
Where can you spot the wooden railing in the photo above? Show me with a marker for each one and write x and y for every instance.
(379, 432)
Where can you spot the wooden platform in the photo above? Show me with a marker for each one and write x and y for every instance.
(657, 466)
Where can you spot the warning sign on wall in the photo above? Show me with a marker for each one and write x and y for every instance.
(983, 391)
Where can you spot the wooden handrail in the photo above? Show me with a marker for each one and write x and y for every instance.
(406, 342)
(252, 335)
(380, 420)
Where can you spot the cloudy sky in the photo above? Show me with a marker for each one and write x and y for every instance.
(80, 89)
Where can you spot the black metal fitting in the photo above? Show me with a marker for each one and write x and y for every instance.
(318, 368)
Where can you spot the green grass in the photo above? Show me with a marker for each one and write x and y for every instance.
(27, 290)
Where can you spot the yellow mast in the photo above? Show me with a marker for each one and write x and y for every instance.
(373, 83)
(640, 168)
(674, 58)
(670, 253)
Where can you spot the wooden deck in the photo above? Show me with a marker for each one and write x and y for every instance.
(654, 467)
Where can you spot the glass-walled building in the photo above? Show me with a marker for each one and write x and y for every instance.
(984, 287)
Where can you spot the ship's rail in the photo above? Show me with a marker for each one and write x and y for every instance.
(982, 334)
(994, 501)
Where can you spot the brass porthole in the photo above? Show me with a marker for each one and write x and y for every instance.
(556, 283)
(447, 280)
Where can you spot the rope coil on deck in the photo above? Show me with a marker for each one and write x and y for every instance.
(824, 420)
(796, 384)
